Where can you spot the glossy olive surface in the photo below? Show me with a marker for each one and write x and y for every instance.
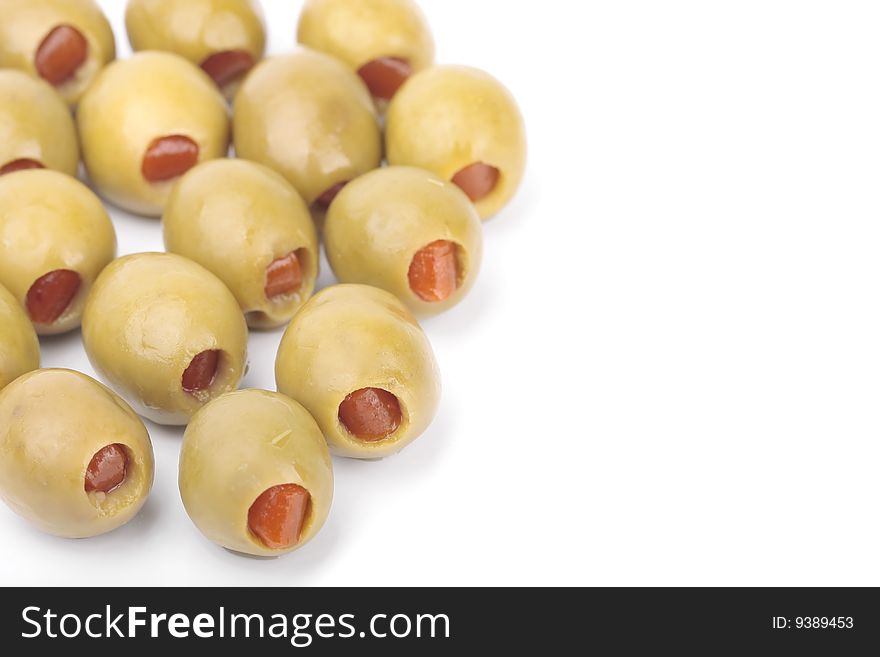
(311, 119)
(359, 33)
(35, 124)
(50, 222)
(237, 447)
(19, 346)
(349, 338)
(26, 24)
(148, 317)
(134, 102)
(380, 221)
(236, 218)
(447, 118)
(52, 423)
(224, 37)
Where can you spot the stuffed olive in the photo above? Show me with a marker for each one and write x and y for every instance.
(311, 119)
(356, 358)
(246, 224)
(385, 41)
(166, 333)
(408, 232)
(75, 460)
(36, 128)
(145, 122)
(255, 473)
(224, 37)
(463, 125)
(65, 42)
(19, 346)
(55, 238)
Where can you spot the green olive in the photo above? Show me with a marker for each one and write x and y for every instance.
(463, 125)
(255, 473)
(145, 122)
(311, 119)
(356, 358)
(19, 346)
(225, 37)
(66, 42)
(246, 224)
(55, 238)
(36, 128)
(385, 41)
(166, 333)
(408, 232)
(75, 460)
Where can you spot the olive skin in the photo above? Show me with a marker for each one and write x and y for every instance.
(449, 117)
(52, 422)
(48, 222)
(309, 118)
(19, 346)
(148, 316)
(35, 124)
(360, 32)
(380, 221)
(350, 337)
(27, 23)
(235, 218)
(197, 29)
(238, 446)
(149, 96)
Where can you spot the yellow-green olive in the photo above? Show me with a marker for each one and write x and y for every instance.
(408, 232)
(75, 460)
(311, 119)
(55, 238)
(36, 128)
(385, 41)
(463, 125)
(19, 346)
(166, 333)
(66, 42)
(145, 122)
(356, 358)
(255, 473)
(246, 224)
(225, 37)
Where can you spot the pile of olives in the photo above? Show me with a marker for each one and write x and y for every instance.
(356, 140)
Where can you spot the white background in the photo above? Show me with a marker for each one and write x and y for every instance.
(669, 371)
